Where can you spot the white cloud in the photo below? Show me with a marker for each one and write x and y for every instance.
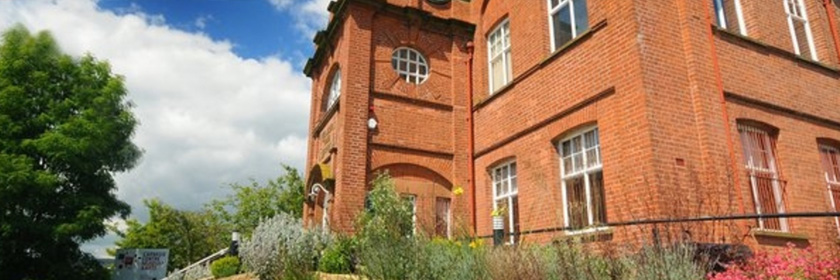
(207, 116)
(310, 15)
(201, 22)
(281, 4)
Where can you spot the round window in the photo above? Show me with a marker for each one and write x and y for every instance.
(410, 65)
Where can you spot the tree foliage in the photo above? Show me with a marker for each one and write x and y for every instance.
(192, 235)
(244, 208)
(189, 235)
(65, 129)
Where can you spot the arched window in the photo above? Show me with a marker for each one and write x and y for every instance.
(758, 142)
(410, 65)
(506, 197)
(567, 20)
(335, 89)
(498, 47)
(582, 180)
(830, 157)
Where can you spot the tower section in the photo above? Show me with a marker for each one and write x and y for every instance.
(389, 94)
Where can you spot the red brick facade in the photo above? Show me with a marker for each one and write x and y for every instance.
(665, 87)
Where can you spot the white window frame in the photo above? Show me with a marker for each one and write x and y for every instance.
(721, 16)
(502, 34)
(585, 172)
(554, 10)
(832, 182)
(753, 168)
(799, 14)
(335, 89)
(507, 195)
(419, 61)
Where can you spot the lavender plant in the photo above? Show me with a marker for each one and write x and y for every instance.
(281, 248)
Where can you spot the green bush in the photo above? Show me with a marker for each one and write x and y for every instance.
(674, 262)
(339, 257)
(224, 267)
(387, 247)
(447, 259)
(280, 248)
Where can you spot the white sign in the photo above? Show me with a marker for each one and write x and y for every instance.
(141, 264)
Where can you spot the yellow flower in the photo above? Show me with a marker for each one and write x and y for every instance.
(498, 212)
(458, 191)
(477, 243)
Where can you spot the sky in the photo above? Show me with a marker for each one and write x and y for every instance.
(217, 84)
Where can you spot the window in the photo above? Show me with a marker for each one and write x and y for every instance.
(335, 89)
(498, 47)
(410, 65)
(442, 217)
(567, 19)
(800, 29)
(582, 180)
(505, 197)
(729, 15)
(759, 150)
(830, 156)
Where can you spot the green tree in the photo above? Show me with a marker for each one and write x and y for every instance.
(65, 129)
(189, 235)
(244, 208)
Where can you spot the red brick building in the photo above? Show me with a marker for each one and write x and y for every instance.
(581, 114)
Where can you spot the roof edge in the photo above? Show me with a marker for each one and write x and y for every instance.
(338, 8)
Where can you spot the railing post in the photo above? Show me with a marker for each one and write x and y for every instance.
(234, 244)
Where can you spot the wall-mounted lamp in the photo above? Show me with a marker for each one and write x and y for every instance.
(372, 123)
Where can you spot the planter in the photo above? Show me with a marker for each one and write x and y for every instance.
(498, 222)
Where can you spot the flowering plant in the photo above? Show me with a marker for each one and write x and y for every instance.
(458, 191)
(498, 212)
(788, 263)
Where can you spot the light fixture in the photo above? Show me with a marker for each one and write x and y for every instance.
(372, 123)
(234, 236)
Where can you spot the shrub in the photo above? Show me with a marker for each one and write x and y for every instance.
(674, 262)
(224, 267)
(387, 248)
(193, 273)
(339, 257)
(281, 248)
(447, 259)
(566, 259)
(788, 263)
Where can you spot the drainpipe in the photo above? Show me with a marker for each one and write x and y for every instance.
(724, 113)
(471, 141)
(833, 25)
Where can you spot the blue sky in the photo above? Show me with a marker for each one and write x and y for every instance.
(219, 92)
(256, 28)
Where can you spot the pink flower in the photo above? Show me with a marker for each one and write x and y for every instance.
(786, 263)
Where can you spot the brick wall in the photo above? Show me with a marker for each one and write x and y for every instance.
(644, 74)
(421, 128)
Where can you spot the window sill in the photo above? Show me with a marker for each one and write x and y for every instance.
(763, 233)
(779, 51)
(325, 119)
(591, 234)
